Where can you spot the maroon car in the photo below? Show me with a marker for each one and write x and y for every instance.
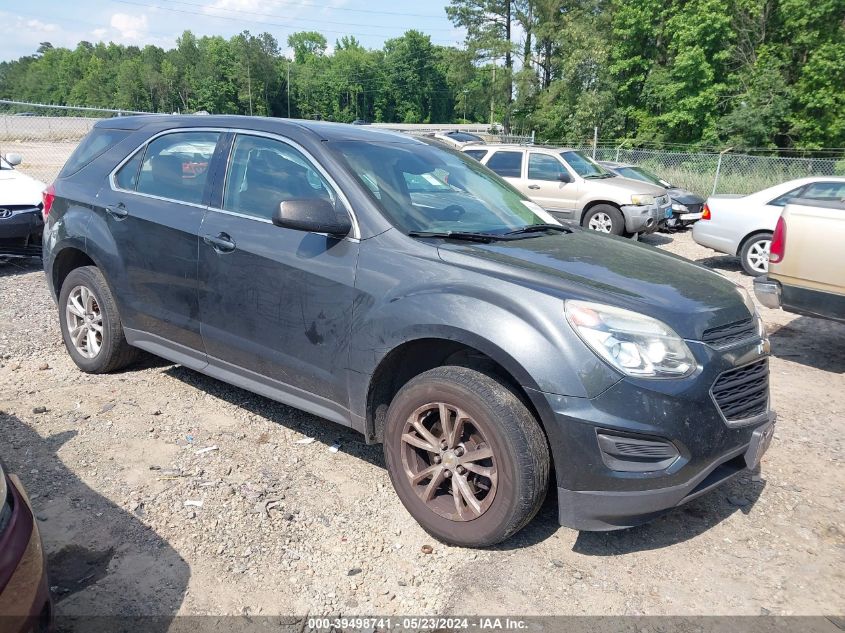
(25, 603)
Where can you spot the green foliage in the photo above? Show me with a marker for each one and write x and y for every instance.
(744, 73)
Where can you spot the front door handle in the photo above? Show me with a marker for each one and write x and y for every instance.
(533, 186)
(117, 211)
(221, 243)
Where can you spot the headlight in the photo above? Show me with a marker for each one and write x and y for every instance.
(677, 206)
(633, 343)
(642, 199)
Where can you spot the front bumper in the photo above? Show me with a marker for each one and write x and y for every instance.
(596, 492)
(25, 603)
(20, 232)
(644, 218)
(768, 292)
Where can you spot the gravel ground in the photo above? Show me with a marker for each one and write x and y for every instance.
(139, 519)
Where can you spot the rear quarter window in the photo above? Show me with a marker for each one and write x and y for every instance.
(98, 141)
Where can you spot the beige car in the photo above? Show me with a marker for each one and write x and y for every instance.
(806, 259)
(572, 186)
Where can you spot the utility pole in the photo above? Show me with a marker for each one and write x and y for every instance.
(493, 95)
(288, 88)
(465, 104)
(249, 86)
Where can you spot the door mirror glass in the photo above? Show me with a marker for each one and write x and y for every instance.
(14, 159)
(313, 215)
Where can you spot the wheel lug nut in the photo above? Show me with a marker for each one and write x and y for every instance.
(459, 451)
(461, 470)
(444, 445)
(447, 474)
(437, 459)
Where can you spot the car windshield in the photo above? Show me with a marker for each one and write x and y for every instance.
(585, 166)
(4, 164)
(423, 188)
(644, 175)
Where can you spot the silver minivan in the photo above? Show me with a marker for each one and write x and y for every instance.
(572, 186)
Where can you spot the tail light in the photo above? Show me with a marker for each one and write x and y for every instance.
(778, 247)
(48, 195)
(705, 214)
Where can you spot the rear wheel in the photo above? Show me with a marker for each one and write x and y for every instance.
(467, 458)
(90, 323)
(604, 218)
(754, 254)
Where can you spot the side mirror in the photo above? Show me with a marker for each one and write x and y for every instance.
(313, 215)
(13, 159)
(564, 176)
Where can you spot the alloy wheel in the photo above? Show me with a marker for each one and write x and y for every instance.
(758, 256)
(601, 222)
(84, 321)
(449, 461)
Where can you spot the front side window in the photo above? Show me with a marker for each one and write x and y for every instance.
(424, 187)
(506, 164)
(544, 167)
(175, 166)
(584, 166)
(265, 172)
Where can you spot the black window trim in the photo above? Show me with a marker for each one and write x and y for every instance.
(355, 235)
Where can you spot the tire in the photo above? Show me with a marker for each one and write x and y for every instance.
(508, 487)
(751, 256)
(113, 352)
(605, 219)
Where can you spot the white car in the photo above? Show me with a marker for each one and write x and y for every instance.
(21, 222)
(743, 225)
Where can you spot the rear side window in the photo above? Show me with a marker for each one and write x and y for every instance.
(506, 164)
(127, 176)
(175, 166)
(95, 144)
(785, 199)
(477, 154)
(827, 191)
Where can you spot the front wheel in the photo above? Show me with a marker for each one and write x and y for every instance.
(466, 457)
(755, 254)
(90, 323)
(604, 218)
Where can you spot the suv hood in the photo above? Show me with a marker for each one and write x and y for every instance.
(623, 186)
(614, 271)
(18, 189)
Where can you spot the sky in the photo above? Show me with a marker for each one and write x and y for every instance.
(23, 25)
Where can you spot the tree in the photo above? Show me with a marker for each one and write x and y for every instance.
(307, 44)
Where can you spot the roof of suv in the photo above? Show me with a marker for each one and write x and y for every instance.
(548, 148)
(323, 129)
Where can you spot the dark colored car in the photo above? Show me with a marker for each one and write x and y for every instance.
(482, 344)
(25, 604)
(687, 207)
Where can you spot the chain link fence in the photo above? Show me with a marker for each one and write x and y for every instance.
(706, 173)
(45, 136)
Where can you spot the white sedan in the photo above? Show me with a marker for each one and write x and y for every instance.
(743, 225)
(20, 211)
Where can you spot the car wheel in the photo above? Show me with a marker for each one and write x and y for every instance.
(466, 457)
(90, 323)
(755, 254)
(604, 219)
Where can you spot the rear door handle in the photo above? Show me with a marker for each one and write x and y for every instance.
(117, 211)
(533, 186)
(221, 243)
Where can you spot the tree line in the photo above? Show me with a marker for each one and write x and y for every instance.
(747, 73)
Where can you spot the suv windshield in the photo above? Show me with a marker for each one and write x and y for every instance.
(423, 188)
(643, 175)
(585, 166)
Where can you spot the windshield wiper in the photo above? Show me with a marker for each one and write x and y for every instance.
(456, 235)
(537, 228)
(607, 175)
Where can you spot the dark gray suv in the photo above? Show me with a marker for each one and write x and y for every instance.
(400, 288)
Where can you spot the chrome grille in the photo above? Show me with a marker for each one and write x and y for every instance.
(743, 392)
